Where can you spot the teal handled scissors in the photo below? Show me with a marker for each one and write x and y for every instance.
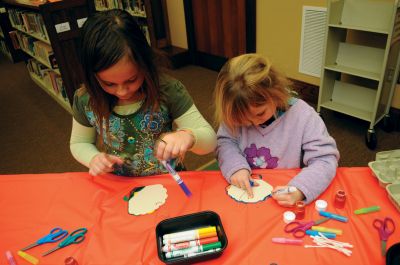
(385, 228)
(75, 237)
(54, 235)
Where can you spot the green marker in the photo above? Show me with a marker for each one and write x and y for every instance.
(367, 210)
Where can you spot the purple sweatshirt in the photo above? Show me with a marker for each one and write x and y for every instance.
(297, 137)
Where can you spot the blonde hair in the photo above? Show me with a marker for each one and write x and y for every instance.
(244, 81)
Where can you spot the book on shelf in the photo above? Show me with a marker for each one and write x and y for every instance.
(29, 22)
(49, 78)
(36, 48)
(14, 39)
(135, 7)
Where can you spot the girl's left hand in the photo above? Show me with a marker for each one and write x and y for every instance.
(289, 199)
(174, 144)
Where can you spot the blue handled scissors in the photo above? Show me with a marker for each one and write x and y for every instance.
(385, 228)
(75, 237)
(298, 229)
(55, 234)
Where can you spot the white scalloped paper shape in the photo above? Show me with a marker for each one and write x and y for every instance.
(147, 200)
(260, 192)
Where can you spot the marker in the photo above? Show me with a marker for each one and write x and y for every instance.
(177, 178)
(290, 241)
(287, 190)
(201, 253)
(28, 257)
(193, 232)
(10, 258)
(326, 229)
(251, 182)
(195, 249)
(334, 216)
(188, 244)
(317, 233)
(188, 238)
(367, 210)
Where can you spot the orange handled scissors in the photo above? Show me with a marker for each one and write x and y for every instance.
(385, 228)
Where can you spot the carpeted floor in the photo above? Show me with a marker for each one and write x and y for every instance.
(35, 130)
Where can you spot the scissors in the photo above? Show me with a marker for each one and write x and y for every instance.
(55, 234)
(75, 237)
(385, 228)
(298, 229)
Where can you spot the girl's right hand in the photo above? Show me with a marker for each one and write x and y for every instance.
(103, 163)
(241, 179)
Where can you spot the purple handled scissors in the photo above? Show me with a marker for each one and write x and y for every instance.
(385, 228)
(298, 229)
(54, 235)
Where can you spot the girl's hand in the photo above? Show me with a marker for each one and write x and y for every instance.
(103, 163)
(241, 179)
(174, 144)
(288, 199)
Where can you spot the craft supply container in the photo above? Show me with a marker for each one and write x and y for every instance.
(190, 222)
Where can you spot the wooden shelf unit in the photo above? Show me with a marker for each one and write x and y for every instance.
(6, 46)
(62, 21)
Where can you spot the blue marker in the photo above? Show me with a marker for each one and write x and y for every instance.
(177, 178)
(340, 218)
(251, 182)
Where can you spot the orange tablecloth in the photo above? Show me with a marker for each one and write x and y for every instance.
(31, 205)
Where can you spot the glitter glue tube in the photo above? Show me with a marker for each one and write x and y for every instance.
(327, 229)
(317, 233)
(10, 258)
(28, 257)
(177, 178)
(340, 199)
(300, 210)
(367, 210)
(334, 216)
(289, 241)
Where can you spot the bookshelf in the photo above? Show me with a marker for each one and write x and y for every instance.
(47, 32)
(361, 60)
(152, 16)
(6, 45)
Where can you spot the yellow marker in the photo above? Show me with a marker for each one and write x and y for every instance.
(326, 229)
(195, 232)
(28, 257)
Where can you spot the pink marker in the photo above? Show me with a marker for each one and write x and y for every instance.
(10, 258)
(290, 241)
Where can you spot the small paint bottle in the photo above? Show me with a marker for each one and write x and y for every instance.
(70, 261)
(300, 210)
(340, 199)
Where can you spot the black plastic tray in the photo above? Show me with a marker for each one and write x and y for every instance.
(189, 222)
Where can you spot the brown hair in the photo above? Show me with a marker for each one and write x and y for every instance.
(106, 38)
(244, 81)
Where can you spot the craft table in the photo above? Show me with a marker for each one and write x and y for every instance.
(31, 205)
